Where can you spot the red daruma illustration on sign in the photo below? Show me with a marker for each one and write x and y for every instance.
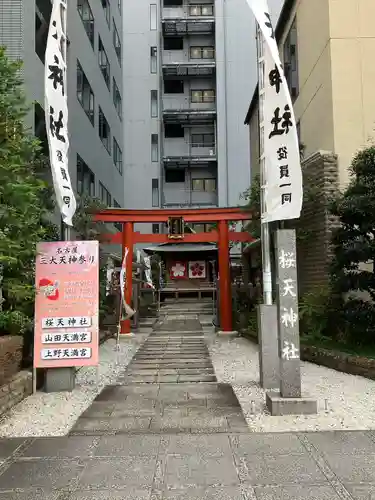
(49, 288)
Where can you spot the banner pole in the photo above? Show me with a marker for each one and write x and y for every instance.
(265, 227)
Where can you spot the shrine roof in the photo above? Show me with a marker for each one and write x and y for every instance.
(181, 247)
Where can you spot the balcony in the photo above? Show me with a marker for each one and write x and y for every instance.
(185, 198)
(198, 108)
(180, 154)
(197, 62)
(188, 20)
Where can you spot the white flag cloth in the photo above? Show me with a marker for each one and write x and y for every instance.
(56, 112)
(147, 261)
(283, 175)
(128, 310)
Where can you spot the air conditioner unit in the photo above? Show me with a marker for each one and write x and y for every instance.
(195, 11)
(212, 152)
(207, 10)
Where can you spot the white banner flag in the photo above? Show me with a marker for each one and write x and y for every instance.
(128, 310)
(147, 262)
(56, 112)
(283, 175)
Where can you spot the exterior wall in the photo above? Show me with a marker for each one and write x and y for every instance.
(313, 107)
(352, 33)
(18, 33)
(320, 174)
(138, 124)
(254, 143)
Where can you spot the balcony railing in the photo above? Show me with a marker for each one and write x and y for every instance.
(199, 100)
(187, 198)
(195, 55)
(193, 149)
(189, 11)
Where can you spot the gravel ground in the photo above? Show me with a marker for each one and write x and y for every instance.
(350, 400)
(54, 414)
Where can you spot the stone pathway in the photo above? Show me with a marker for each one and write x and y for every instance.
(158, 439)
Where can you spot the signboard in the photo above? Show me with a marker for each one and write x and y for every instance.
(66, 304)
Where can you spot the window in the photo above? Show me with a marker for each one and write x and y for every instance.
(172, 3)
(117, 100)
(173, 43)
(155, 228)
(154, 103)
(87, 17)
(173, 130)
(40, 127)
(201, 10)
(202, 96)
(202, 140)
(104, 63)
(85, 95)
(153, 59)
(107, 11)
(42, 17)
(154, 147)
(175, 175)
(104, 195)
(155, 192)
(117, 156)
(104, 131)
(85, 179)
(291, 61)
(207, 185)
(116, 42)
(173, 86)
(202, 52)
(153, 17)
(202, 228)
(117, 225)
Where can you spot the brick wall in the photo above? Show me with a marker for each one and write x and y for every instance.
(320, 178)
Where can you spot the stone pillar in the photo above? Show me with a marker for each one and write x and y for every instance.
(289, 400)
(269, 368)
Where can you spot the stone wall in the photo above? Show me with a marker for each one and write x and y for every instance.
(15, 390)
(314, 229)
(10, 356)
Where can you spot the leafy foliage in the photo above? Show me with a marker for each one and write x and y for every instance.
(87, 228)
(252, 197)
(354, 251)
(25, 201)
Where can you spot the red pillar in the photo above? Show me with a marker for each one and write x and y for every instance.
(127, 241)
(224, 282)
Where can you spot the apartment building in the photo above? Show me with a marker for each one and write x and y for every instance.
(327, 47)
(94, 85)
(186, 74)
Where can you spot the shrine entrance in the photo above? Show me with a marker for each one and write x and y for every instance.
(221, 236)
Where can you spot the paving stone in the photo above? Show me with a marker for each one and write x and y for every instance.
(45, 474)
(353, 468)
(168, 378)
(210, 493)
(99, 409)
(342, 442)
(123, 446)
(182, 471)
(118, 473)
(202, 445)
(130, 493)
(61, 447)
(29, 494)
(111, 425)
(275, 444)
(361, 491)
(305, 492)
(9, 446)
(271, 470)
(197, 378)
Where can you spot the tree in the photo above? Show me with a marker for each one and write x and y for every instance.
(353, 241)
(25, 201)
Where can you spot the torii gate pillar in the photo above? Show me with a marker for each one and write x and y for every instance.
(224, 281)
(127, 242)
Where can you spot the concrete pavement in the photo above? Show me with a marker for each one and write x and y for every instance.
(169, 431)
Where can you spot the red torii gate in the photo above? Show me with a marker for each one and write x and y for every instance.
(221, 236)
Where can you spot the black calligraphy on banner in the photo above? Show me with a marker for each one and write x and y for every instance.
(268, 24)
(57, 74)
(56, 126)
(281, 124)
(275, 79)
